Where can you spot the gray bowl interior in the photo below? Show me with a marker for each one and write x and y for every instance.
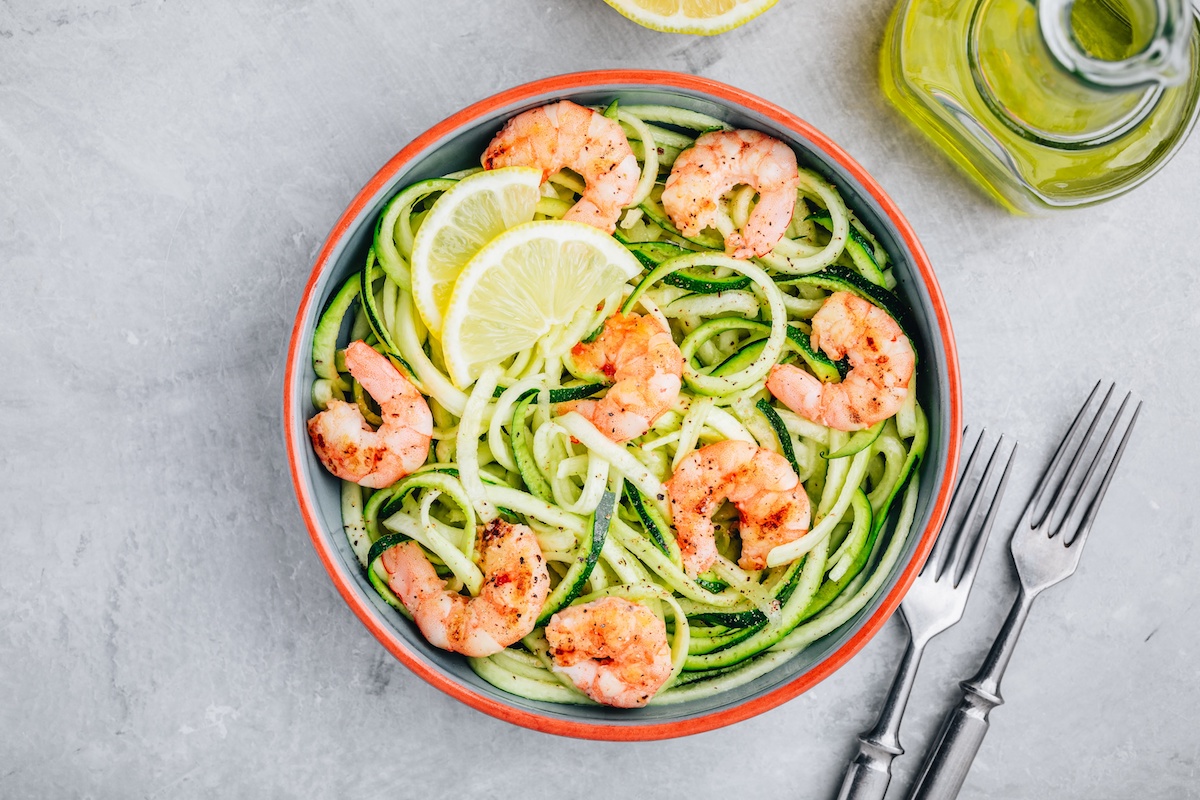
(461, 150)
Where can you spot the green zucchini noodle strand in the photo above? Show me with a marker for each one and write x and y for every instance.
(433, 536)
(849, 482)
(710, 305)
(437, 385)
(354, 521)
(469, 430)
(831, 620)
(727, 426)
(669, 573)
(595, 471)
(649, 160)
(510, 446)
(394, 233)
(679, 117)
(758, 368)
(617, 455)
(792, 257)
(500, 443)
(690, 429)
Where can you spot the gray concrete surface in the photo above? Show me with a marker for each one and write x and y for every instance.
(169, 171)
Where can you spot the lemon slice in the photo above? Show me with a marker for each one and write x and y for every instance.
(704, 17)
(525, 284)
(466, 217)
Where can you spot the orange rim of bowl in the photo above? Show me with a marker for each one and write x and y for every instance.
(596, 730)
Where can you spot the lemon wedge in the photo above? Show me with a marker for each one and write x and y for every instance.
(530, 281)
(704, 17)
(466, 217)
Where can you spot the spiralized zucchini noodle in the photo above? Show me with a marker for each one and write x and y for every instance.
(598, 508)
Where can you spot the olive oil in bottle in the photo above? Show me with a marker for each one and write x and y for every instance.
(1047, 104)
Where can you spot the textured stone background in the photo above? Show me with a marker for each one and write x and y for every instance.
(169, 170)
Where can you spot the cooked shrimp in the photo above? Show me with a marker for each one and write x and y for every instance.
(717, 162)
(761, 484)
(516, 584)
(351, 449)
(881, 361)
(615, 651)
(568, 135)
(639, 354)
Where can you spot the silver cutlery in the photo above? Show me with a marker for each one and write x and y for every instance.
(1046, 546)
(934, 603)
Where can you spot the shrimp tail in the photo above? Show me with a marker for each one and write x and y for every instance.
(587, 212)
(796, 389)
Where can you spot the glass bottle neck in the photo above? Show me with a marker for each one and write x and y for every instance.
(1072, 74)
(1118, 44)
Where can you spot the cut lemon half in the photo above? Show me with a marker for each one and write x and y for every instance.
(528, 282)
(704, 17)
(466, 217)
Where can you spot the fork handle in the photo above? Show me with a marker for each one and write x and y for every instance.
(955, 748)
(868, 775)
(949, 760)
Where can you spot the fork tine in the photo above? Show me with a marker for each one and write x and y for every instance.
(1065, 497)
(1046, 479)
(1060, 485)
(1081, 490)
(953, 523)
(1081, 530)
(966, 435)
(971, 564)
(963, 533)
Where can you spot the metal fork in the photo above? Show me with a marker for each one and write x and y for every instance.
(934, 603)
(1046, 546)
